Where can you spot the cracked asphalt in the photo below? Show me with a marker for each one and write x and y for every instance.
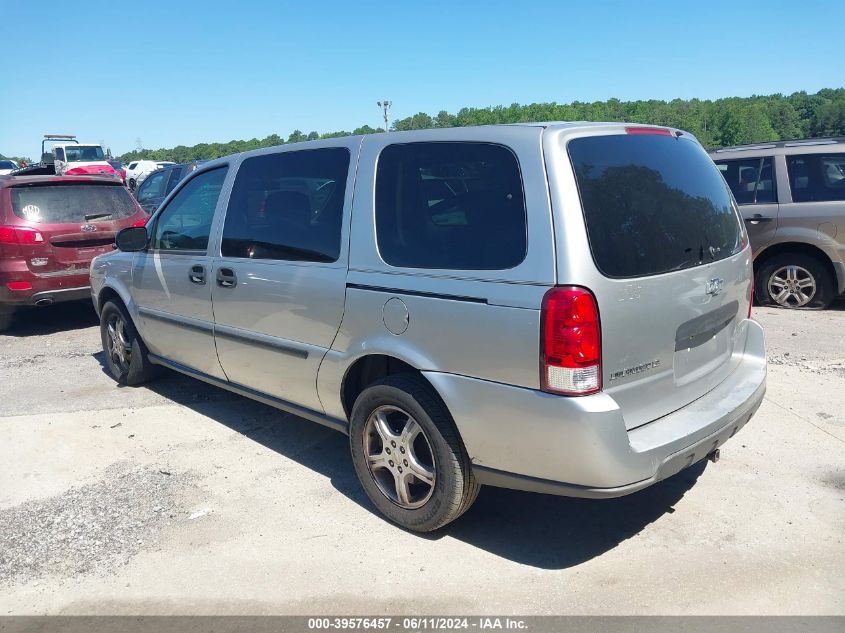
(178, 498)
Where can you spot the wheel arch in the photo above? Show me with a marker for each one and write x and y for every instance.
(800, 247)
(369, 368)
(109, 292)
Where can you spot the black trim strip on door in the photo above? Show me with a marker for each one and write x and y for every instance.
(232, 334)
(176, 319)
(259, 340)
(417, 293)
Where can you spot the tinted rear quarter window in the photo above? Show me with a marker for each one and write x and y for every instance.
(652, 204)
(816, 177)
(288, 206)
(57, 204)
(456, 206)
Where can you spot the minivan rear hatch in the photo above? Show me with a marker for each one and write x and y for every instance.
(669, 264)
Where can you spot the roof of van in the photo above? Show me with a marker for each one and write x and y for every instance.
(570, 123)
(555, 125)
(801, 142)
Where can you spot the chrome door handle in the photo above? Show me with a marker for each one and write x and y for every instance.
(226, 278)
(197, 275)
(757, 218)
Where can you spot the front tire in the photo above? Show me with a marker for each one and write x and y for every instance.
(408, 455)
(794, 280)
(126, 355)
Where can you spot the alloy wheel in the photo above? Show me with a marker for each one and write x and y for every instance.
(792, 286)
(119, 343)
(399, 457)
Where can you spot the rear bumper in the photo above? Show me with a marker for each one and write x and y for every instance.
(45, 289)
(49, 297)
(529, 440)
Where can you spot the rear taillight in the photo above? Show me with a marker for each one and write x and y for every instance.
(20, 235)
(138, 223)
(19, 285)
(570, 342)
(751, 285)
(750, 297)
(659, 131)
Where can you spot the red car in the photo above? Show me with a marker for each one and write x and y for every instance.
(51, 227)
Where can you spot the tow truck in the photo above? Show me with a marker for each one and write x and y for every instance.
(63, 155)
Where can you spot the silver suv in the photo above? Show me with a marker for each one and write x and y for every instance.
(560, 308)
(792, 197)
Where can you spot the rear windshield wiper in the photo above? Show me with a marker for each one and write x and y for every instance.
(96, 216)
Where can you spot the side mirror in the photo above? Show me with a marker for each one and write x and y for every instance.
(132, 239)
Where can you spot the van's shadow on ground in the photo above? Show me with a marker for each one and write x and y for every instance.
(539, 530)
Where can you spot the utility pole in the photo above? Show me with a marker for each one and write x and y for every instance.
(385, 105)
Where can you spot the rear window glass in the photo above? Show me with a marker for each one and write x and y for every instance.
(816, 177)
(456, 206)
(653, 204)
(56, 204)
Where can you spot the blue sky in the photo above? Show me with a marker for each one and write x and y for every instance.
(186, 72)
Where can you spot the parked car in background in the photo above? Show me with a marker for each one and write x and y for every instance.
(119, 169)
(137, 170)
(51, 227)
(7, 166)
(551, 307)
(160, 183)
(792, 198)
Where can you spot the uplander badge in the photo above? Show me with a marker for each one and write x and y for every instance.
(630, 371)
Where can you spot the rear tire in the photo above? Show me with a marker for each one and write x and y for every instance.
(401, 418)
(127, 357)
(794, 280)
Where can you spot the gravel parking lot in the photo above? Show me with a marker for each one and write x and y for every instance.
(181, 498)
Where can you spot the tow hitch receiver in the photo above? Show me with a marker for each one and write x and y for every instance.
(713, 455)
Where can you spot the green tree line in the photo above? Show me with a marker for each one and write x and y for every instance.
(716, 123)
(17, 159)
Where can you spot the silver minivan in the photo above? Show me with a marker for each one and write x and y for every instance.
(556, 307)
(792, 197)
